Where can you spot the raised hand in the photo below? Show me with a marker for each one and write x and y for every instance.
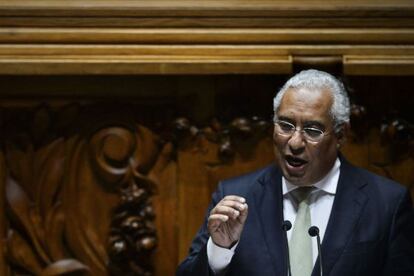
(226, 220)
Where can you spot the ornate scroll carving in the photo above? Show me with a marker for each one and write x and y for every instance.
(123, 159)
(79, 202)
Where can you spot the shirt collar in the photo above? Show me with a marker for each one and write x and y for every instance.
(327, 184)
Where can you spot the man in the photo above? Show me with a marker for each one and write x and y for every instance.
(366, 222)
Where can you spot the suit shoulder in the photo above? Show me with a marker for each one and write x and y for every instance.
(245, 182)
(386, 185)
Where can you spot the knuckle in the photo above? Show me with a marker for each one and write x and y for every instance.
(213, 211)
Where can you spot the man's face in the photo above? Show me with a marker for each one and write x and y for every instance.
(301, 161)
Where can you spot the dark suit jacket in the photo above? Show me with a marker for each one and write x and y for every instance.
(370, 230)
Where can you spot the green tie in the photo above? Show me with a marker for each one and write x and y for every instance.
(300, 245)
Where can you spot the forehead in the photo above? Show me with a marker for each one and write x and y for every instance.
(306, 104)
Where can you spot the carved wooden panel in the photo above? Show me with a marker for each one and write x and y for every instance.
(78, 192)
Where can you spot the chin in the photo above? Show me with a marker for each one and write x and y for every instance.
(296, 180)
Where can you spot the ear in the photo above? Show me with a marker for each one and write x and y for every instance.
(342, 134)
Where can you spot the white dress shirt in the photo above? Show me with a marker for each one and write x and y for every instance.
(321, 201)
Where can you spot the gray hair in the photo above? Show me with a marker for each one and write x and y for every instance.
(314, 79)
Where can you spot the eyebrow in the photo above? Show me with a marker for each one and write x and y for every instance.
(305, 124)
(287, 119)
(314, 123)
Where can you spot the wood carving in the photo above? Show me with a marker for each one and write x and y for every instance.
(35, 241)
(397, 134)
(123, 159)
(79, 203)
(239, 136)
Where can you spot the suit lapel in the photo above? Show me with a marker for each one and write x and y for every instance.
(348, 204)
(269, 206)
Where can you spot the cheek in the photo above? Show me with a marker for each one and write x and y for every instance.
(324, 155)
(277, 147)
(331, 148)
(278, 141)
(318, 153)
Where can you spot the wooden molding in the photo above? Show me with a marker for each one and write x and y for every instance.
(207, 13)
(193, 37)
(55, 59)
(212, 8)
(167, 64)
(202, 36)
(379, 65)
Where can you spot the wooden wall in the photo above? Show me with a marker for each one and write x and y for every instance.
(118, 118)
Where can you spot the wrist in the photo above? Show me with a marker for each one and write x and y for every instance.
(226, 246)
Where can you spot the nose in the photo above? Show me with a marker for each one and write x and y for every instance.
(296, 142)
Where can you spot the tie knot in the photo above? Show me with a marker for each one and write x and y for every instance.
(301, 194)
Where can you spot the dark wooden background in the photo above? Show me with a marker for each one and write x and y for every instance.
(118, 118)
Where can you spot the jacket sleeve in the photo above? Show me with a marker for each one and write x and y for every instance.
(400, 256)
(196, 262)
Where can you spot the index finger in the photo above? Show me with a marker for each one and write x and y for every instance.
(235, 198)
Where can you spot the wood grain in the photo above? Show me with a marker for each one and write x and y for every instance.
(122, 65)
(209, 35)
(209, 8)
(379, 65)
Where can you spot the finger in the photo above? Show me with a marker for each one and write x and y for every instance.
(243, 214)
(226, 210)
(233, 204)
(218, 217)
(235, 198)
(214, 221)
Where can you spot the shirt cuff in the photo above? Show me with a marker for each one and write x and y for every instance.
(218, 257)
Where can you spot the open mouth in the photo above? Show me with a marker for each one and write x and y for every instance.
(295, 162)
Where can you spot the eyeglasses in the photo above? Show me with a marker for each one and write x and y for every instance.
(311, 134)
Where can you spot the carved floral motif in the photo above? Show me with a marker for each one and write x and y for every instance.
(35, 241)
(80, 203)
(240, 135)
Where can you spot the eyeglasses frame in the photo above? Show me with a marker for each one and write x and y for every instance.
(302, 131)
